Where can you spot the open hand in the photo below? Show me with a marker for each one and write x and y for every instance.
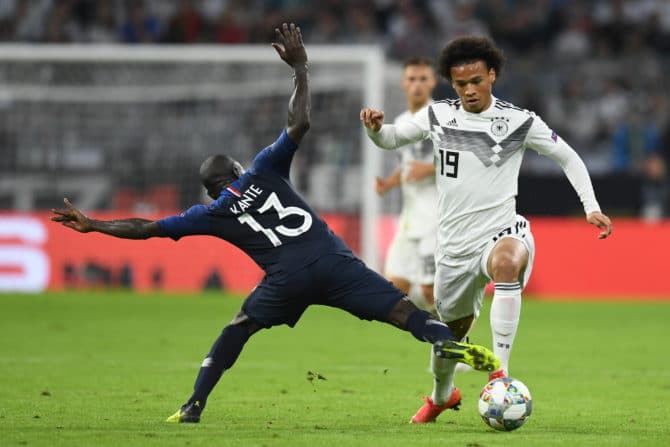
(290, 47)
(372, 119)
(602, 222)
(71, 217)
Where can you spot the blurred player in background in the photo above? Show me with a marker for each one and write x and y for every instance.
(304, 261)
(479, 141)
(410, 261)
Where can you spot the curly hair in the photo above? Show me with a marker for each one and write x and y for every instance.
(465, 50)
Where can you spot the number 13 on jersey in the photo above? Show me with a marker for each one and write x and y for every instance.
(448, 163)
(273, 202)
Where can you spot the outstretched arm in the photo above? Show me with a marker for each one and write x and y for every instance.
(133, 228)
(393, 136)
(545, 141)
(575, 170)
(292, 51)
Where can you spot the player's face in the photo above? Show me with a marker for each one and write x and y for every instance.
(418, 81)
(473, 83)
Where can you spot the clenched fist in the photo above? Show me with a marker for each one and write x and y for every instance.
(372, 119)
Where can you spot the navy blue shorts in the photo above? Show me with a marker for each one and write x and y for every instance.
(333, 280)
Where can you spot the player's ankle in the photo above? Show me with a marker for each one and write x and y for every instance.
(425, 327)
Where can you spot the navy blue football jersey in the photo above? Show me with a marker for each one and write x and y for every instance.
(264, 216)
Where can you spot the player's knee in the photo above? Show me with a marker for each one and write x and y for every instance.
(506, 267)
(241, 319)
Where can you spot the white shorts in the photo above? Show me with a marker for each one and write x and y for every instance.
(412, 259)
(460, 281)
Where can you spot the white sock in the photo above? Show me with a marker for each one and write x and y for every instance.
(505, 311)
(443, 378)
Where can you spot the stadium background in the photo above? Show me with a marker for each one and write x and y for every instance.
(115, 103)
(125, 138)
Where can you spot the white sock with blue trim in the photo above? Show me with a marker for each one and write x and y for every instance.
(505, 312)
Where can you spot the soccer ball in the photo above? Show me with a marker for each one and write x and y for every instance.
(505, 404)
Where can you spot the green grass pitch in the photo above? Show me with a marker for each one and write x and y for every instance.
(105, 369)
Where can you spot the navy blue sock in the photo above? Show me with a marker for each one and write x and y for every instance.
(221, 357)
(425, 327)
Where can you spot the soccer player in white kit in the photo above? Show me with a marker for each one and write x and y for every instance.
(478, 142)
(410, 261)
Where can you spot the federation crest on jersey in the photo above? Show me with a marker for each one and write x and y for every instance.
(499, 126)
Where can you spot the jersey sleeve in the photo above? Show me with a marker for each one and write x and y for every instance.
(546, 142)
(195, 220)
(277, 157)
(393, 136)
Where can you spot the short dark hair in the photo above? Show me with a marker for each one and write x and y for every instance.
(418, 60)
(465, 50)
(219, 169)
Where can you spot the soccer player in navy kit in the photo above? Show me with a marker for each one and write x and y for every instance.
(305, 262)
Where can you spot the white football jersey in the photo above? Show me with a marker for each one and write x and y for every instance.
(419, 213)
(477, 160)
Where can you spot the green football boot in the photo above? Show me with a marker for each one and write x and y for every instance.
(187, 413)
(478, 357)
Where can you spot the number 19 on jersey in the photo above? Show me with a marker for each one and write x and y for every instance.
(449, 163)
